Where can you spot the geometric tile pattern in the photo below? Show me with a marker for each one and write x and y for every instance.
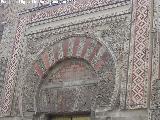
(12, 69)
(83, 48)
(139, 59)
(70, 8)
(55, 11)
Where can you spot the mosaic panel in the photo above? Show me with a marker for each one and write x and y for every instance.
(139, 75)
(12, 69)
(70, 8)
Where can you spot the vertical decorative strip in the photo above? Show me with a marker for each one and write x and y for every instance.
(155, 99)
(139, 55)
(12, 69)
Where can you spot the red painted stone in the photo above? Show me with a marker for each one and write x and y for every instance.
(105, 57)
(65, 47)
(73, 70)
(86, 46)
(95, 51)
(38, 70)
(99, 65)
(75, 47)
(45, 58)
(102, 61)
(56, 53)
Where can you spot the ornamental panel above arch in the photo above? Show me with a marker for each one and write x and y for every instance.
(77, 65)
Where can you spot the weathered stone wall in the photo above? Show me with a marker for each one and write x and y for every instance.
(8, 21)
(104, 27)
(114, 48)
(2, 60)
(154, 113)
(98, 27)
(1, 20)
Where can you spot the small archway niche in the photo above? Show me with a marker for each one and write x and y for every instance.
(77, 75)
(70, 86)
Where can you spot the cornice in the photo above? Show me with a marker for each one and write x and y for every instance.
(72, 10)
(83, 23)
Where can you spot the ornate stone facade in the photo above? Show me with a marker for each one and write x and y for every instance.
(99, 57)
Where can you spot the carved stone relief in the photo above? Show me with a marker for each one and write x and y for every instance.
(96, 28)
(155, 37)
(118, 48)
(70, 87)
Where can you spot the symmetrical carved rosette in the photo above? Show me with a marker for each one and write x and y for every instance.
(139, 67)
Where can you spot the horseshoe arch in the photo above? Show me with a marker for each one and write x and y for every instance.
(88, 55)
